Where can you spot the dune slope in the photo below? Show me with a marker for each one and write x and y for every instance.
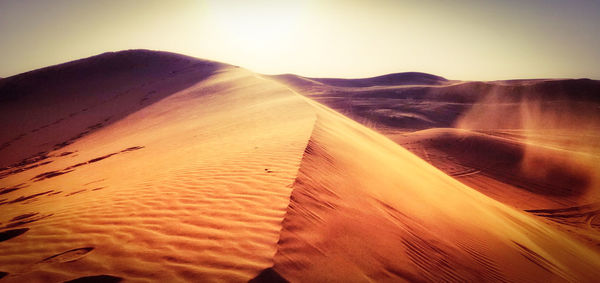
(557, 184)
(565, 182)
(530, 144)
(365, 209)
(47, 109)
(191, 188)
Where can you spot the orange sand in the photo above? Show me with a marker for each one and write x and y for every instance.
(208, 172)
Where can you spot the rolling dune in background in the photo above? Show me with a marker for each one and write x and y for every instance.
(141, 165)
(558, 134)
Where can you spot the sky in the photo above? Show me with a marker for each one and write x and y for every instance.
(464, 40)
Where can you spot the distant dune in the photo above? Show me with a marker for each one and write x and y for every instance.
(151, 166)
(419, 106)
(502, 158)
(410, 78)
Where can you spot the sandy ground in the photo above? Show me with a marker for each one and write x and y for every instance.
(530, 144)
(145, 166)
(199, 195)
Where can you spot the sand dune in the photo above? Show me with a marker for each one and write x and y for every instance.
(409, 78)
(393, 217)
(537, 123)
(47, 109)
(182, 169)
(502, 159)
(530, 144)
(564, 191)
(193, 187)
(407, 106)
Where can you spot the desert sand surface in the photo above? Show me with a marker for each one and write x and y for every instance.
(190, 187)
(143, 166)
(530, 144)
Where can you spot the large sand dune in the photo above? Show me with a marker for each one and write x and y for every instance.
(147, 166)
(192, 187)
(392, 216)
(530, 144)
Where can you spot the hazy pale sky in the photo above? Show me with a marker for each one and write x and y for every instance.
(470, 40)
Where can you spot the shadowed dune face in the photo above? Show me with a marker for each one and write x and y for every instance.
(47, 109)
(560, 189)
(541, 170)
(559, 134)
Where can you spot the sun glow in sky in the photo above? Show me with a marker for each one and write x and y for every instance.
(471, 40)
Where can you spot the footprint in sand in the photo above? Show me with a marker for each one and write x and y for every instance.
(26, 219)
(268, 275)
(68, 256)
(24, 216)
(96, 279)
(9, 234)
